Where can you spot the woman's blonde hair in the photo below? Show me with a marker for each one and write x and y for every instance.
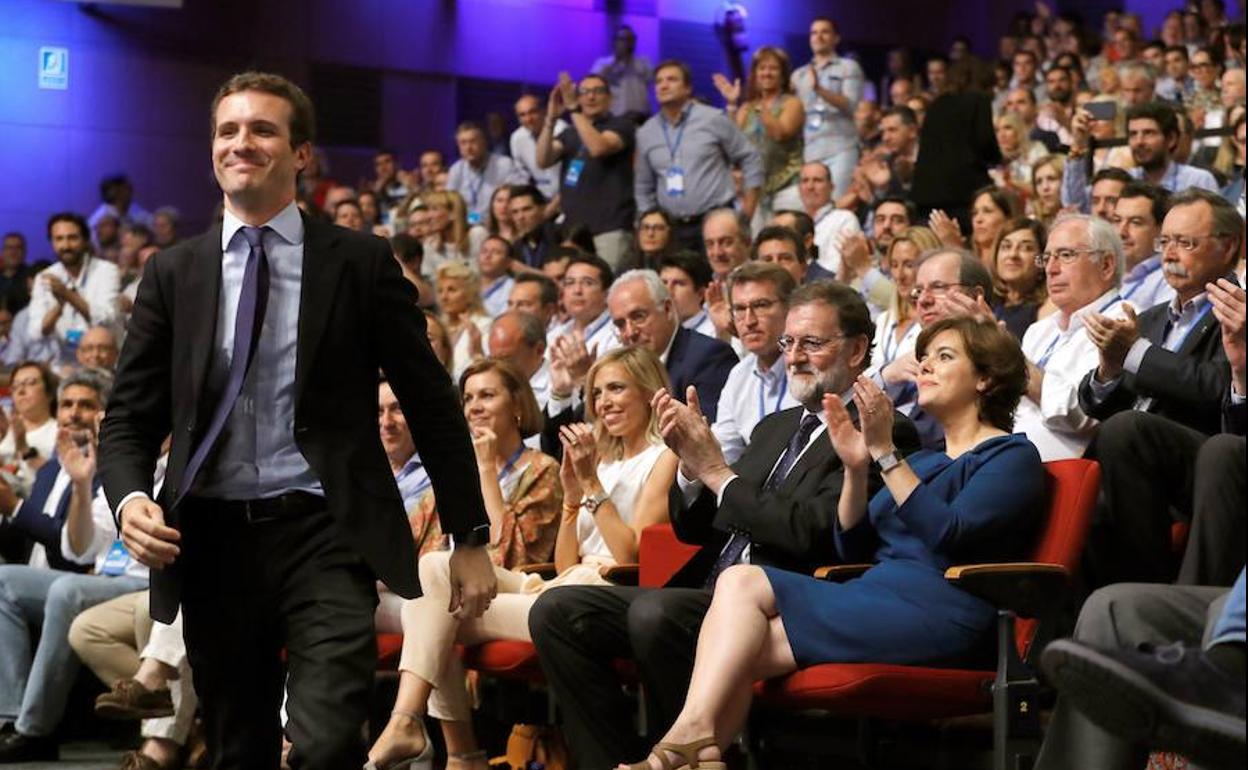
(1020, 131)
(457, 270)
(529, 418)
(1058, 163)
(923, 239)
(1224, 161)
(643, 367)
(456, 231)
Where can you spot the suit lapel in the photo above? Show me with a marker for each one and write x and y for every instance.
(676, 362)
(819, 452)
(1197, 335)
(322, 264)
(203, 298)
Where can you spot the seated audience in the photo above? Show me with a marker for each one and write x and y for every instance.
(98, 349)
(991, 208)
(614, 479)
(1018, 281)
(937, 509)
(462, 312)
(519, 339)
(535, 235)
(897, 328)
(409, 252)
(31, 436)
(782, 246)
(450, 238)
(495, 268)
(1160, 387)
(687, 276)
(757, 386)
(75, 534)
(77, 292)
(499, 222)
(776, 505)
(726, 240)
(537, 295)
(1082, 266)
(1138, 214)
(652, 242)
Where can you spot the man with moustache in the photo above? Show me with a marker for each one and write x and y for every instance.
(775, 505)
(76, 293)
(1160, 387)
(257, 345)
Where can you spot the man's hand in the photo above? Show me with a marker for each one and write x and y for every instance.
(718, 310)
(57, 286)
(473, 585)
(1228, 308)
(1114, 338)
(576, 356)
(686, 433)
(946, 228)
(1080, 129)
(567, 91)
(729, 89)
(554, 104)
(958, 304)
(78, 459)
(855, 255)
(902, 369)
(145, 535)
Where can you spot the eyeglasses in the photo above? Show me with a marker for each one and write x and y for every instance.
(585, 282)
(758, 306)
(808, 345)
(1185, 243)
(1200, 65)
(935, 288)
(593, 91)
(1064, 256)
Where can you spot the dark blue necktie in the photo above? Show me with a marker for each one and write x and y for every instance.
(248, 321)
(736, 544)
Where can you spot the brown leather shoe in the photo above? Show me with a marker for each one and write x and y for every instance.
(130, 700)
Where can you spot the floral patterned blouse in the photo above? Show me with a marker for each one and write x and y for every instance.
(532, 497)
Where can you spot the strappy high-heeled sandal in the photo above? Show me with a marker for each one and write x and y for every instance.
(686, 751)
(422, 761)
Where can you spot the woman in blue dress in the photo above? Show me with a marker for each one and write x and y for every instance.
(979, 500)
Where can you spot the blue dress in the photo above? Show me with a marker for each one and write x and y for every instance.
(984, 506)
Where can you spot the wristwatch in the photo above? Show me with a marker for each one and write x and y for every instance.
(476, 537)
(591, 502)
(888, 460)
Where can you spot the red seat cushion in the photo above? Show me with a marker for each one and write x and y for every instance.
(389, 648)
(881, 690)
(506, 659)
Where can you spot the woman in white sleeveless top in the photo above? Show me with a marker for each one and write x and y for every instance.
(615, 476)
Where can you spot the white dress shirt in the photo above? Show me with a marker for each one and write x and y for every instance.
(1057, 425)
(98, 283)
(749, 395)
(524, 152)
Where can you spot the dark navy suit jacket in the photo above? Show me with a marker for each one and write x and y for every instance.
(41, 528)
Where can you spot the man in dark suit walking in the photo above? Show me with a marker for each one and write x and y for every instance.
(1159, 391)
(776, 505)
(257, 345)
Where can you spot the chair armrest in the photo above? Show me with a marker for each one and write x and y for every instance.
(546, 569)
(1030, 589)
(623, 574)
(839, 573)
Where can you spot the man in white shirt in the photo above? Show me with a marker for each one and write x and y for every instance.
(74, 294)
(532, 115)
(758, 385)
(1084, 263)
(520, 339)
(831, 224)
(1138, 214)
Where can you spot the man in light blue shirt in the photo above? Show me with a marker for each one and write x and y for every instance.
(1138, 215)
(479, 172)
(830, 88)
(396, 439)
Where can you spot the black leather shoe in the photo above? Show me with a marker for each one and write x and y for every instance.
(16, 747)
(1165, 698)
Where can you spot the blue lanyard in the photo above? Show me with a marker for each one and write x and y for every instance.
(494, 287)
(695, 321)
(680, 132)
(1140, 282)
(1049, 351)
(474, 191)
(762, 399)
(590, 331)
(511, 463)
(1196, 323)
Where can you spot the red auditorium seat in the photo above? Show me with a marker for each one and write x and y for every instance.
(1030, 590)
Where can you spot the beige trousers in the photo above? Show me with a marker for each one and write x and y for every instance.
(112, 639)
(430, 632)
